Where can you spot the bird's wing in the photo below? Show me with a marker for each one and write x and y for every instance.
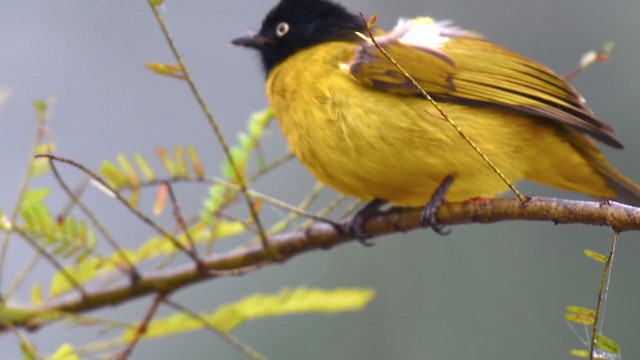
(452, 64)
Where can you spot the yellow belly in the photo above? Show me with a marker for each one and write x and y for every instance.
(370, 144)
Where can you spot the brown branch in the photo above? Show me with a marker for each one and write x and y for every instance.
(618, 216)
(142, 327)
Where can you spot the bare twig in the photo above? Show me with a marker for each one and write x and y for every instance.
(142, 327)
(24, 185)
(131, 269)
(228, 338)
(602, 294)
(216, 129)
(177, 214)
(53, 261)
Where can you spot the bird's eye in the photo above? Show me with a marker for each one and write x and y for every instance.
(282, 29)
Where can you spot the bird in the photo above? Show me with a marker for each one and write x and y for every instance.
(360, 126)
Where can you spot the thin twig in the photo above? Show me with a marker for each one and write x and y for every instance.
(602, 294)
(53, 261)
(271, 166)
(334, 204)
(131, 270)
(228, 338)
(142, 327)
(588, 60)
(22, 276)
(177, 214)
(24, 185)
(30, 350)
(77, 193)
(444, 115)
(255, 194)
(293, 215)
(216, 129)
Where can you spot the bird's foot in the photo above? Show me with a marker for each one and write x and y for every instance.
(428, 217)
(357, 221)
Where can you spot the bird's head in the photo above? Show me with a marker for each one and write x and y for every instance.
(294, 25)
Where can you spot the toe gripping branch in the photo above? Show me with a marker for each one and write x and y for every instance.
(428, 217)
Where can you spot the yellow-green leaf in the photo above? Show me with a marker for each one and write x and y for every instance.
(40, 105)
(144, 167)
(595, 256)
(196, 164)
(128, 171)
(579, 353)
(181, 164)
(38, 167)
(33, 196)
(286, 302)
(114, 176)
(82, 273)
(36, 294)
(607, 345)
(170, 70)
(65, 352)
(166, 161)
(580, 319)
(581, 310)
(608, 46)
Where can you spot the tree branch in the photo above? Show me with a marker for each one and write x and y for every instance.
(245, 259)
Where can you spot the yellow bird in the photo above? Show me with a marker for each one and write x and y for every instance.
(362, 128)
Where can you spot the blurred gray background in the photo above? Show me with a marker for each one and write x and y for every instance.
(486, 291)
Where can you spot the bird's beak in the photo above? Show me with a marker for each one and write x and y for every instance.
(252, 40)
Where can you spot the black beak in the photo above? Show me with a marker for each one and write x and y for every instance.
(252, 40)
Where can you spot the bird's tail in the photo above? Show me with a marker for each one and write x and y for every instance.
(627, 191)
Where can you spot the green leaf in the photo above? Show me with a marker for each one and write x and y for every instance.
(287, 302)
(581, 310)
(259, 121)
(36, 294)
(128, 171)
(114, 176)
(40, 105)
(181, 164)
(41, 165)
(196, 164)
(595, 256)
(608, 46)
(29, 352)
(82, 273)
(169, 165)
(33, 197)
(38, 220)
(147, 171)
(607, 345)
(579, 353)
(580, 319)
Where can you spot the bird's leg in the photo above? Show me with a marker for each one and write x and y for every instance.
(355, 227)
(428, 216)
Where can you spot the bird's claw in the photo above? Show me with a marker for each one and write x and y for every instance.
(428, 217)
